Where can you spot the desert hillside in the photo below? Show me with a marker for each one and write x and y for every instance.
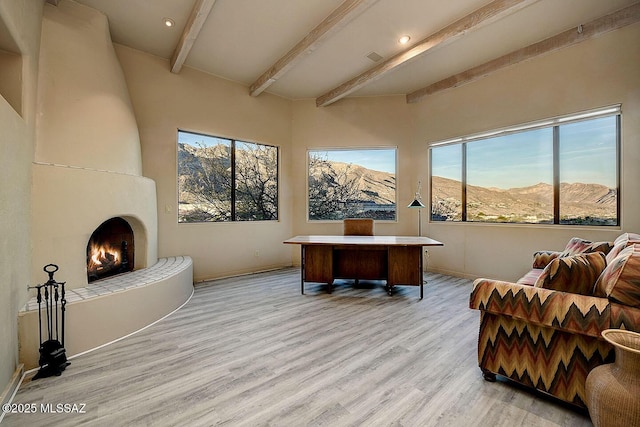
(525, 204)
(375, 186)
(579, 202)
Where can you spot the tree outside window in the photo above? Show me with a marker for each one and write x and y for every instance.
(222, 179)
(345, 183)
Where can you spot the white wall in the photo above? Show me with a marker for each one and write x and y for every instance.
(194, 101)
(85, 115)
(21, 20)
(354, 122)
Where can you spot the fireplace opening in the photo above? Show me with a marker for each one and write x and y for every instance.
(110, 250)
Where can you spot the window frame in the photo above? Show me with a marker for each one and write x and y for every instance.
(328, 149)
(554, 123)
(232, 159)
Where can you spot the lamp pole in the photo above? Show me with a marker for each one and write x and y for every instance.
(417, 204)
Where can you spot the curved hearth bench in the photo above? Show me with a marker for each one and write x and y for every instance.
(112, 308)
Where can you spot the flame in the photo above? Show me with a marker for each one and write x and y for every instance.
(103, 256)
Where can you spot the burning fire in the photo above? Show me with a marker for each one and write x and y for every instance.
(103, 257)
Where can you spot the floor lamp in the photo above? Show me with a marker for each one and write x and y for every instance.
(417, 204)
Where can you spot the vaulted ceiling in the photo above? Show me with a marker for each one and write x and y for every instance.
(323, 49)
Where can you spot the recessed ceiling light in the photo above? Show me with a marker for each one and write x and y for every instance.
(404, 39)
(168, 22)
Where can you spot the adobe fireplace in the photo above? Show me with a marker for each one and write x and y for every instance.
(110, 249)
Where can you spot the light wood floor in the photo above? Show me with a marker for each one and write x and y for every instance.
(253, 351)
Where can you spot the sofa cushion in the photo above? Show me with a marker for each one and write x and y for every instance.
(531, 277)
(542, 258)
(621, 242)
(578, 246)
(576, 274)
(620, 281)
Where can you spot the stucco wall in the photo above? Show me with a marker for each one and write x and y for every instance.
(353, 123)
(88, 165)
(22, 23)
(86, 119)
(195, 101)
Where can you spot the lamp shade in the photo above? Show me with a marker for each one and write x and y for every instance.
(416, 204)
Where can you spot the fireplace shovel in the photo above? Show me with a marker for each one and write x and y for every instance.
(53, 357)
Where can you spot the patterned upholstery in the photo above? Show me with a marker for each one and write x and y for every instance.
(544, 307)
(551, 360)
(621, 279)
(576, 274)
(620, 243)
(542, 258)
(578, 246)
(531, 277)
(625, 317)
(550, 339)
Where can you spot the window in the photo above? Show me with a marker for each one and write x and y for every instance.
(560, 171)
(222, 179)
(588, 160)
(509, 178)
(446, 183)
(344, 183)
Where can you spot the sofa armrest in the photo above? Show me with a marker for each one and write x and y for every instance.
(575, 313)
(625, 317)
(542, 258)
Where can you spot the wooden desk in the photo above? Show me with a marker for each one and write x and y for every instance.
(396, 259)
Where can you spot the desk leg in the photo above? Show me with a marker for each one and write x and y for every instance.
(421, 273)
(302, 269)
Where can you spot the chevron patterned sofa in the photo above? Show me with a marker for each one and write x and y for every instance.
(544, 331)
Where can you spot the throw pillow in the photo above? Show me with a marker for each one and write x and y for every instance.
(578, 246)
(542, 258)
(575, 274)
(620, 281)
(620, 243)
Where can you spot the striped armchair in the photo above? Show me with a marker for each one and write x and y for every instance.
(546, 335)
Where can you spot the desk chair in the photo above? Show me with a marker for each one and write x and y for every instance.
(358, 226)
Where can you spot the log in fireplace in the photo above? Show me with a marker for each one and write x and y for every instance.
(110, 250)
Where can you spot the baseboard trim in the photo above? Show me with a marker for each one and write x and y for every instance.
(452, 273)
(268, 269)
(12, 388)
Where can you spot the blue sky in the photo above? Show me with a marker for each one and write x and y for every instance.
(379, 159)
(195, 139)
(587, 155)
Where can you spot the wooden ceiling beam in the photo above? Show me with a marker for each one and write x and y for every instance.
(199, 14)
(613, 21)
(344, 13)
(489, 13)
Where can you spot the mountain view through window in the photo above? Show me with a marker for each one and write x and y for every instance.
(345, 183)
(222, 179)
(562, 174)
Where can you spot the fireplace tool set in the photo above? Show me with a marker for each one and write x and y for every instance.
(53, 358)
